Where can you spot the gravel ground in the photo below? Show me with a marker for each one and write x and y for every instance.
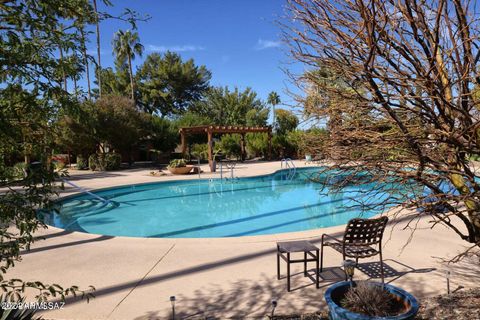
(462, 305)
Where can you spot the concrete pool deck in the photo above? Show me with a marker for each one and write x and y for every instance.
(220, 277)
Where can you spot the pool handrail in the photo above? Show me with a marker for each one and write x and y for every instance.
(85, 191)
(292, 169)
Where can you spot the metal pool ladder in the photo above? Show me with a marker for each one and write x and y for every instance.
(86, 191)
(292, 169)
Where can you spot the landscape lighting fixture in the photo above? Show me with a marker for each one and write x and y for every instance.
(172, 301)
(349, 269)
(274, 305)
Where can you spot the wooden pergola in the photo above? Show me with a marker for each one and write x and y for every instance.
(210, 130)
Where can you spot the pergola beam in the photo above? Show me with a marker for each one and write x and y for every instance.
(210, 130)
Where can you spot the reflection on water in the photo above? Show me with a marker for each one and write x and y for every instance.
(250, 206)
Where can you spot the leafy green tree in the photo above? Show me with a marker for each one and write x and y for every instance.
(31, 96)
(229, 145)
(225, 107)
(286, 121)
(273, 100)
(98, 65)
(126, 44)
(76, 130)
(257, 144)
(257, 118)
(163, 134)
(114, 81)
(120, 124)
(169, 86)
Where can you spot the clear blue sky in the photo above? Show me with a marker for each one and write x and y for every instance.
(237, 40)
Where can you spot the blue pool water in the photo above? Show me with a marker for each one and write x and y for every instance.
(201, 208)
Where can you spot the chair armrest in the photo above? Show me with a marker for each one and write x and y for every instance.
(330, 237)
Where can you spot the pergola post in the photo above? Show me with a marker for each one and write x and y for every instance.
(242, 147)
(215, 129)
(210, 149)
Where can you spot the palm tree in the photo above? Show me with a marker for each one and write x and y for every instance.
(85, 58)
(273, 99)
(99, 64)
(125, 45)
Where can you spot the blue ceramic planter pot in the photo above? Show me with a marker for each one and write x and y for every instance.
(335, 294)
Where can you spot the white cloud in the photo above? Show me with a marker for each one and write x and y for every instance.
(182, 48)
(267, 44)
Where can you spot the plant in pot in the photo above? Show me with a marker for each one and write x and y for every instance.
(368, 300)
(179, 166)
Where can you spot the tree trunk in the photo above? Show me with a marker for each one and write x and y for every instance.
(99, 64)
(85, 62)
(131, 77)
(75, 85)
(64, 76)
(458, 181)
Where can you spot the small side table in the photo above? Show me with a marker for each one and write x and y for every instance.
(310, 254)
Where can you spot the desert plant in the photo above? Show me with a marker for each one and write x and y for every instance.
(16, 314)
(177, 163)
(383, 78)
(370, 299)
(82, 163)
(112, 161)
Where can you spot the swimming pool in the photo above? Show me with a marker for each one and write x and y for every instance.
(276, 203)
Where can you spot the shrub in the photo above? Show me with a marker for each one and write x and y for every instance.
(104, 162)
(177, 163)
(93, 162)
(162, 134)
(257, 144)
(19, 170)
(282, 147)
(369, 299)
(230, 145)
(112, 161)
(200, 151)
(82, 163)
(59, 165)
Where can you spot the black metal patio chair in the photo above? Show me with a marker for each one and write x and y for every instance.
(362, 239)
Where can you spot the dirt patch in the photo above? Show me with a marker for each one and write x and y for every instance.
(462, 305)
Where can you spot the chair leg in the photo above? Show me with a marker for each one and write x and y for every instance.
(321, 257)
(305, 264)
(356, 262)
(381, 267)
(288, 271)
(278, 264)
(316, 271)
(346, 277)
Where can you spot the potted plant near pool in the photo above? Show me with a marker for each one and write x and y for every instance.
(179, 166)
(366, 300)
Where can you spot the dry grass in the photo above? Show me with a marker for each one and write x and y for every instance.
(371, 300)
